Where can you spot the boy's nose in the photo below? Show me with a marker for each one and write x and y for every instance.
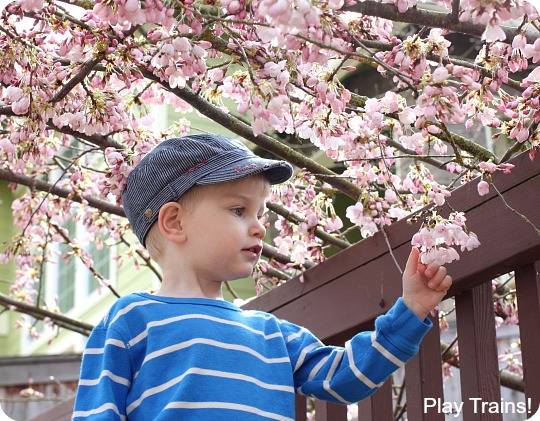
(258, 229)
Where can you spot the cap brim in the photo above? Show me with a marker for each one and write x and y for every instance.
(277, 171)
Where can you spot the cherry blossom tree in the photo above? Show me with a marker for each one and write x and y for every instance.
(81, 83)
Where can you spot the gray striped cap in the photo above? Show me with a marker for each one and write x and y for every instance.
(176, 165)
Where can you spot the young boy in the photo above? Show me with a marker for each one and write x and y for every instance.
(184, 353)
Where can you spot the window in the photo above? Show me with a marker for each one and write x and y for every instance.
(69, 280)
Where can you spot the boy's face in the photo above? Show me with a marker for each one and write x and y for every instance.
(224, 232)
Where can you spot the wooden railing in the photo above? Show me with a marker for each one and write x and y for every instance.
(344, 295)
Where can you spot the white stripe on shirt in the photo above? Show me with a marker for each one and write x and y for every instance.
(359, 375)
(211, 373)
(218, 344)
(226, 405)
(130, 307)
(389, 356)
(303, 354)
(114, 342)
(102, 408)
(163, 322)
(105, 373)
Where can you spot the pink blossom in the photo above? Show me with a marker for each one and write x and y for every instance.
(493, 33)
(506, 167)
(390, 195)
(440, 75)
(31, 5)
(471, 242)
(534, 76)
(7, 146)
(355, 212)
(13, 93)
(488, 166)
(483, 188)
(22, 105)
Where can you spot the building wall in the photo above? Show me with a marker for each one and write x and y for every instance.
(7, 271)
(31, 385)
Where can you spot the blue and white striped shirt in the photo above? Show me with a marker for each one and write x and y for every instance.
(161, 358)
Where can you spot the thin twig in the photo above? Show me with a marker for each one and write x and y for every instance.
(390, 250)
(318, 232)
(527, 220)
(92, 269)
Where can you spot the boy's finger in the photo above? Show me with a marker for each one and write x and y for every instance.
(437, 273)
(444, 285)
(412, 262)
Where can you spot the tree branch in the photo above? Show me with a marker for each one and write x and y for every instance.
(507, 378)
(61, 192)
(431, 19)
(318, 232)
(75, 80)
(41, 314)
(102, 141)
(271, 253)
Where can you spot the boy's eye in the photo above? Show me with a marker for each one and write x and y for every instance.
(238, 211)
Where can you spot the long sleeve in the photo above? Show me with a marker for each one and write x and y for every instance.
(105, 377)
(351, 373)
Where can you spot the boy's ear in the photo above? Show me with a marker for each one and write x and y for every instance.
(170, 222)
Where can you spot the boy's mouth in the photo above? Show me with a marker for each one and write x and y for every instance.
(255, 249)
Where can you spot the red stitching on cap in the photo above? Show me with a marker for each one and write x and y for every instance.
(197, 166)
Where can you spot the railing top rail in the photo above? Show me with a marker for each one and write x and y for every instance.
(350, 289)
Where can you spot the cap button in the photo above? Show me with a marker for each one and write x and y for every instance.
(148, 213)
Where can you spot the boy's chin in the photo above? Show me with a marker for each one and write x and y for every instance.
(241, 275)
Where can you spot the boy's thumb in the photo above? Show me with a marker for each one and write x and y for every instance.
(412, 262)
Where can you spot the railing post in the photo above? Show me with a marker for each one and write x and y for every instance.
(378, 407)
(423, 378)
(327, 411)
(528, 295)
(478, 359)
(300, 408)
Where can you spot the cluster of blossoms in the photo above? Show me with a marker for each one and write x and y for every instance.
(177, 60)
(493, 14)
(312, 210)
(266, 100)
(488, 168)
(30, 392)
(510, 359)
(410, 56)
(438, 234)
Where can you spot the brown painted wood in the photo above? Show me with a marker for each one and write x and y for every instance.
(528, 295)
(301, 408)
(327, 411)
(478, 360)
(423, 378)
(378, 407)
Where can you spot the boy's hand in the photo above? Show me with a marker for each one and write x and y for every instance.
(424, 286)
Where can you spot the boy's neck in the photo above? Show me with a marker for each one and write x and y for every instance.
(183, 288)
(186, 294)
